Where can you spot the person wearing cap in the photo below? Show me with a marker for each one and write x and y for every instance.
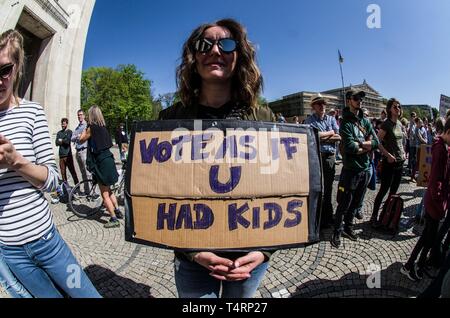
(329, 135)
(358, 140)
(332, 113)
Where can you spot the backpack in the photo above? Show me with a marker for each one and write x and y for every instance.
(392, 213)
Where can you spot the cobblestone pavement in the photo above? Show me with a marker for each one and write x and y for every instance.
(121, 269)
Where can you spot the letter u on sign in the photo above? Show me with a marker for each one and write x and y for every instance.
(232, 183)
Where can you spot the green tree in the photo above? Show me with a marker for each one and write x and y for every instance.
(123, 94)
(262, 101)
(436, 113)
(168, 99)
(421, 113)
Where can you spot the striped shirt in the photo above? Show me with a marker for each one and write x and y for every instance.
(24, 212)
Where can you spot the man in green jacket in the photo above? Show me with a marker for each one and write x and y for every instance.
(358, 140)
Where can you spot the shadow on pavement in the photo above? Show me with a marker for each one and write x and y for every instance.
(356, 285)
(110, 285)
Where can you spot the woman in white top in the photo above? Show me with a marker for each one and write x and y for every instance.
(29, 243)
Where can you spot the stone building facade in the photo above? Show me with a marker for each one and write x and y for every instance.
(55, 34)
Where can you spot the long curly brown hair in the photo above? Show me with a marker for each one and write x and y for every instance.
(13, 41)
(247, 81)
(389, 106)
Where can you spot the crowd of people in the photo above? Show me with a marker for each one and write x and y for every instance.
(385, 144)
(218, 78)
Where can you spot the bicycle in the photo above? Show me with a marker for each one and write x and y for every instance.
(85, 199)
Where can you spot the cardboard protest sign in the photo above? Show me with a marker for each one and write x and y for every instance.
(425, 160)
(223, 185)
(444, 105)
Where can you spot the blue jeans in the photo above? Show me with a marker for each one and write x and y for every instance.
(194, 281)
(41, 264)
(10, 283)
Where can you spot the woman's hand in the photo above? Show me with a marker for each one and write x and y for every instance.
(391, 158)
(9, 157)
(241, 269)
(214, 263)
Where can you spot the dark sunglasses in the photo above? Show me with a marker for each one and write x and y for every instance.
(357, 98)
(205, 45)
(6, 71)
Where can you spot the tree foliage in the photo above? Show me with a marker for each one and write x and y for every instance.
(123, 94)
(436, 113)
(262, 101)
(420, 112)
(168, 99)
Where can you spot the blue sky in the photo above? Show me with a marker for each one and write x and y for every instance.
(407, 58)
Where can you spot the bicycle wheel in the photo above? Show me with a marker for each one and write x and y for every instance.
(85, 200)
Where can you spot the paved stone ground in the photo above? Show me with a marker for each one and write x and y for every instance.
(121, 269)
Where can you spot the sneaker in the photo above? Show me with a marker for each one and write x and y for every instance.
(112, 224)
(336, 240)
(418, 272)
(410, 273)
(350, 234)
(118, 214)
(373, 222)
(359, 215)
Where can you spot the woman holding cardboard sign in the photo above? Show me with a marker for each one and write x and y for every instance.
(218, 79)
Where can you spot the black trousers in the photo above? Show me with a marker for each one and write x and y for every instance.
(351, 192)
(440, 248)
(425, 243)
(329, 173)
(435, 288)
(391, 177)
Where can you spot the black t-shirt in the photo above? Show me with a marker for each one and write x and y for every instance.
(100, 138)
(205, 112)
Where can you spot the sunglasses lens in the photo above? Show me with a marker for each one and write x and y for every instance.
(5, 71)
(227, 45)
(203, 45)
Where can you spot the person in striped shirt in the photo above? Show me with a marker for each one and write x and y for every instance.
(29, 242)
